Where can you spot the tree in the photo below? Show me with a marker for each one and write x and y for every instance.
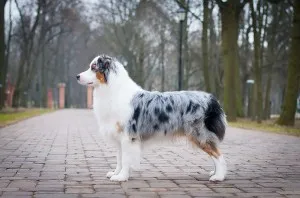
(3, 68)
(216, 81)
(162, 57)
(257, 28)
(230, 14)
(276, 13)
(26, 66)
(205, 46)
(287, 116)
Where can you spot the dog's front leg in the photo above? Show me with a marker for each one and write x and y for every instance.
(130, 153)
(119, 163)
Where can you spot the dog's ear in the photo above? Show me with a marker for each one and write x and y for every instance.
(103, 64)
(106, 64)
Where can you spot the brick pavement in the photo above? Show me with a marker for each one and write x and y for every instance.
(62, 155)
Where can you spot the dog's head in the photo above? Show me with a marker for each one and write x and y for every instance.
(98, 72)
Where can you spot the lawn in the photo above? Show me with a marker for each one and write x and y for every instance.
(268, 126)
(10, 116)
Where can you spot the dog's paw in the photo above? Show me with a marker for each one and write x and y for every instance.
(110, 174)
(215, 178)
(119, 178)
(211, 173)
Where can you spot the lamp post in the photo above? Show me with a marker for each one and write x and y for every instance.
(181, 16)
(250, 112)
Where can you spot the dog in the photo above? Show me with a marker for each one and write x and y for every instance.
(129, 116)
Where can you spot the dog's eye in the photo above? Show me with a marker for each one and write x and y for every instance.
(93, 67)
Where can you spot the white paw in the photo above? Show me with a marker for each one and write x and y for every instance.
(119, 178)
(217, 178)
(211, 173)
(110, 174)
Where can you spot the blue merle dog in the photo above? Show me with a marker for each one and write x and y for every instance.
(129, 116)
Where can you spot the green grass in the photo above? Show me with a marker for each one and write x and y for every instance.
(268, 126)
(11, 116)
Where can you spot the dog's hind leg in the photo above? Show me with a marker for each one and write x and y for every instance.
(131, 150)
(220, 165)
(212, 150)
(220, 169)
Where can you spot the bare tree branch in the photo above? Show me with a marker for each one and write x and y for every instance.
(220, 3)
(187, 9)
(243, 3)
(21, 18)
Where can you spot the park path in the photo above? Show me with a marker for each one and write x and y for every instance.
(60, 154)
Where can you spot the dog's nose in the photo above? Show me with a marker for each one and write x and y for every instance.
(78, 77)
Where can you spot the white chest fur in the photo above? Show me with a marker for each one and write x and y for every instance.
(112, 111)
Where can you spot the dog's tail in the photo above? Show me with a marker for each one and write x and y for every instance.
(215, 119)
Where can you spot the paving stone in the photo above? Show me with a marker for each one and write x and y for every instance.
(135, 184)
(16, 196)
(104, 195)
(17, 193)
(62, 154)
(170, 193)
(260, 194)
(227, 190)
(4, 183)
(55, 195)
(9, 189)
(142, 194)
(163, 184)
(50, 188)
(175, 196)
(77, 190)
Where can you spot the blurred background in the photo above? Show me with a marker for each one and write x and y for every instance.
(246, 52)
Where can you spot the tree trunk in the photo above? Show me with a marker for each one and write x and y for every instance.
(257, 66)
(162, 59)
(238, 94)
(27, 66)
(287, 116)
(229, 15)
(44, 79)
(244, 67)
(18, 93)
(212, 52)
(267, 106)
(3, 66)
(185, 61)
(205, 46)
(140, 69)
(271, 59)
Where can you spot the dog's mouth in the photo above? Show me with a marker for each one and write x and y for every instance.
(90, 83)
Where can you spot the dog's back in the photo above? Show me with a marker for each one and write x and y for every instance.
(195, 114)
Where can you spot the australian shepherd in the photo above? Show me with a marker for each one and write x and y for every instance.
(129, 116)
